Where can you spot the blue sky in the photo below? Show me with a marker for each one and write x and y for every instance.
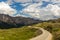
(3, 0)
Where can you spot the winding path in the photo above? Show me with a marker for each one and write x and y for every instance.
(44, 36)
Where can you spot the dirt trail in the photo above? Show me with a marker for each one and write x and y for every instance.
(44, 36)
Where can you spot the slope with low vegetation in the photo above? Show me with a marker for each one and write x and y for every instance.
(22, 33)
(52, 26)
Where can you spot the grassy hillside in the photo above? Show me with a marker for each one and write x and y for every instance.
(23, 33)
(51, 26)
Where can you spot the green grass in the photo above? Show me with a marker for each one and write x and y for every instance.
(54, 28)
(23, 33)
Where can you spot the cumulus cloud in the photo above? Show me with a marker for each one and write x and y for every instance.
(21, 1)
(25, 1)
(55, 9)
(6, 9)
(33, 9)
(46, 13)
(30, 1)
(25, 4)
(55, 1)
(9, 2)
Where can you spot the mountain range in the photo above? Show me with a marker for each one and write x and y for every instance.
(7, 21)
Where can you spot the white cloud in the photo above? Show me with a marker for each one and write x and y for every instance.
(25, 1)
(30, 1)
(46, 13)
(9, 2)
(55, 1)
(54, 9)
(49, 12)
(25, 4)
(6, 9)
